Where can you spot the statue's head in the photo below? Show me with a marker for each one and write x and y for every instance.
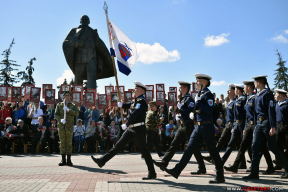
(84, 20)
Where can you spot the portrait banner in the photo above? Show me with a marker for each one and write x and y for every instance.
(76, 97)
(3, 93)
(149, 96)
(122, 90)
(9, 94)
(194, 88)
(102, 101)
(28, 90)
(160, 87)
(44, 87)
(89, 99)
(114, 100)
(49, 96)
(65, 87)
(150, 88)
(160, 100)
(132, 90)
(16, 94)
(172, 98)
(108, 91)
(173, 89)
(93, 91)
(35, 94)
(60, 96)
(127, 96)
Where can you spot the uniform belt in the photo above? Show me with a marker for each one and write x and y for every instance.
(239, 121)
(203, 122)
(136, 124)
(251, 122)
(230, 122)
(263, 118)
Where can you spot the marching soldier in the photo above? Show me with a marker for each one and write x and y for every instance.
(239, 117)
(265, 123)
(65, 126)
(282, 123)
(205, 130)
(185, 107)
(248, 133)
(226, 135)
(152, 122)
(135, 130)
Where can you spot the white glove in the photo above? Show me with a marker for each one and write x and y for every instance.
(178, 117)
(120, 104)
(124, 126)
(197, 98)
(179, 105)
(191, 115)
(63, 121)
(66, 108)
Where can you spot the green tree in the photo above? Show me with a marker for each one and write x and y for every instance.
(27, 78)
(281, 79)
(6, 71)
(64, 82)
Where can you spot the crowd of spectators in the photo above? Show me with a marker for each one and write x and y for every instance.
(27, 122)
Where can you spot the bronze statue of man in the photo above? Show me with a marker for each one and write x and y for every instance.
(87, 55)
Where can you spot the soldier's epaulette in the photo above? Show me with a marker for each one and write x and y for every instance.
(207, 91)
(139, 99)
(242, 97)
(252, 96)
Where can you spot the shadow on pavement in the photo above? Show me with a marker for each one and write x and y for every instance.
(92, 169)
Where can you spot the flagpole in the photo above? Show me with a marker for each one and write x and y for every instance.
(105, 7)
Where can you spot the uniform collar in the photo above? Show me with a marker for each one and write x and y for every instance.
(187, 95)
(243, 95)
(281, 103)
(140, 97)
(263, 91)
(231, 101)
(251, 95)
(205, 90)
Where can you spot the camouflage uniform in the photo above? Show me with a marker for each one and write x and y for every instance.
(66, 131)
(152, 122)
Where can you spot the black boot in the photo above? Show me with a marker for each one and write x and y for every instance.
(159, 164)
(199, 171)
(63, 161)
(69, 163)
(269, 171)
(150, 176)
(231, 169)
(284, 176)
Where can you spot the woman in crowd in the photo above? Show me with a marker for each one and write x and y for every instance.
(79, 131)
(91, 137)
(23, 135)
(114, 133)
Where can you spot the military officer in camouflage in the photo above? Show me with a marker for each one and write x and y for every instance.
(152, 123)
(65, 127)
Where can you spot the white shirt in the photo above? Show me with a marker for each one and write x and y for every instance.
(35, 115)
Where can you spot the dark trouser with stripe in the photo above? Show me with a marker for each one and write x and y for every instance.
(204, 132)
(261, 131)
(139, 135)
(246, 144)
(183, 132)
(225, 137)
(236, 134)
(282, 137)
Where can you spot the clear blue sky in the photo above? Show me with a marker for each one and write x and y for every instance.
(248, 34)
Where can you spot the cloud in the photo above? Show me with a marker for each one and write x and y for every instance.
(156, 53)
(218, 83)
(68, 74)
(281, 38)
(212, 41)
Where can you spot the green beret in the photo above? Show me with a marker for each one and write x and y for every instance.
(66, 92)
(151, 103)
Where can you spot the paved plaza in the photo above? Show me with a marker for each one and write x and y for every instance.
(41, 172)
